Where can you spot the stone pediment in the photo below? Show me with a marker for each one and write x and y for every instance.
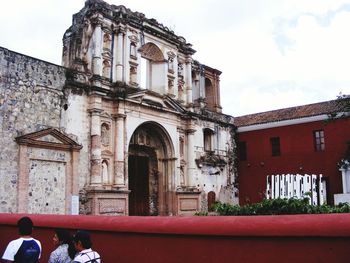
(48, 138)
(154, 100)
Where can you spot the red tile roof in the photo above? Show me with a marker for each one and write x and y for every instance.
(297, 112)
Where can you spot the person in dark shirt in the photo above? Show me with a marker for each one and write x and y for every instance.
(25, 249)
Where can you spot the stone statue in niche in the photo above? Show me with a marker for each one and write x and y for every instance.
(181, 146)
(180, 87)
(171, 56)
(180, 69)
(182, 175)
(180, 84)
(133, 74)
(104, 171)
(105, 134)
(87, 34)
(106, 69)
(133, 44)
(171, 85)
(106, 41)
(133, 53)
(171, 64)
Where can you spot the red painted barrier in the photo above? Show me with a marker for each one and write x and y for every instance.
(297, 238)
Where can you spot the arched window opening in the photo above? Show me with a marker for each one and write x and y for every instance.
(153, 68)
(208, 140)
(209, 94)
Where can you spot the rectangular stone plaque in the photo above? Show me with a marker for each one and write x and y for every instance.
(75, 205)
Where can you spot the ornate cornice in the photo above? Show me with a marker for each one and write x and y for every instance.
(120, 15)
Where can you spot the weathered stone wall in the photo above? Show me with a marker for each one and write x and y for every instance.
(30, 100)
(47, 181)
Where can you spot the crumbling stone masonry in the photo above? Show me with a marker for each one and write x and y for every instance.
(30, 100)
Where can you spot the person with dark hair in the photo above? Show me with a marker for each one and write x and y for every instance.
(83, 244)
(65, 251)
(25, 249)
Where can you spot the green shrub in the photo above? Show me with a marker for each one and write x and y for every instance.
(279, 206)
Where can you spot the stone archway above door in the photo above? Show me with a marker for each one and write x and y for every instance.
(152, 191)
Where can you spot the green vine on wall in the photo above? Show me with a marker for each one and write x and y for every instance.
(233, 156)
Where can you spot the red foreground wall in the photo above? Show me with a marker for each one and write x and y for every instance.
(297, 238)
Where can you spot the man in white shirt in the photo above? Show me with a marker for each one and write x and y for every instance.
(25, 249)
(82, 243)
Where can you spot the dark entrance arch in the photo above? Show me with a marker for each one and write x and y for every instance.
(151, 171)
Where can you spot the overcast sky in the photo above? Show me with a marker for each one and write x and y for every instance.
(273, 53)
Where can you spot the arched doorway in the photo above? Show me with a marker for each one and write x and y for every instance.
(151, 171)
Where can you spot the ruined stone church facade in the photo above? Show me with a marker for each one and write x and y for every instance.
(129, 124)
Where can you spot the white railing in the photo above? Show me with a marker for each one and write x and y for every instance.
(297, 186)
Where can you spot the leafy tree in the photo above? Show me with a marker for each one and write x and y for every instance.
(342, 107)
(342, 110)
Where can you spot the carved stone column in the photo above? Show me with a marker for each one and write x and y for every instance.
(97, 48)
(188, 81)
(217, 94)
(119, 162)
(95, 147)
(201, 83)
(191, 166)
(119, 54)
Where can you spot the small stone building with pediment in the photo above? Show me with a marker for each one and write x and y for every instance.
(130, 124)
(48, 168)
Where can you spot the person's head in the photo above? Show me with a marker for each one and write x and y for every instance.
(62, 236)
(25, 226)
(82, 240)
